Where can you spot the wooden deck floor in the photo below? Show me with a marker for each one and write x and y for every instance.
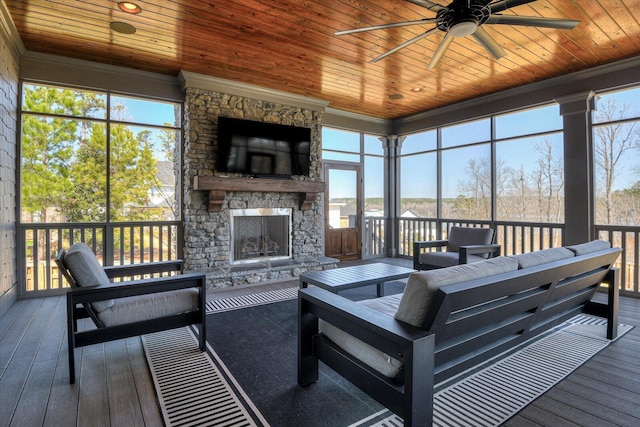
(114, 386)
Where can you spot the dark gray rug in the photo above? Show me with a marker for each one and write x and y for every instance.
(258, 345)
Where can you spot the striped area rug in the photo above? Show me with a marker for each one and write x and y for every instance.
(251, 300)
(493, 394)
(197, 389)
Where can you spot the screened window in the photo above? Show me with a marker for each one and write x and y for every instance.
(419, 189)
(530, 179)
(466, 182)
(525, 180)
(616, 150)
(89, 156)
(466, 133)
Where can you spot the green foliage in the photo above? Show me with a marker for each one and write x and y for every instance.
(64, 160)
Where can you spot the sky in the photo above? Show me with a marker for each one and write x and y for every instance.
(517, 148)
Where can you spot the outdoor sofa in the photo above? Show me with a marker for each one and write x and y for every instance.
(396, 348)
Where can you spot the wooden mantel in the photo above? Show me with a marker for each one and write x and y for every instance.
(217, 188)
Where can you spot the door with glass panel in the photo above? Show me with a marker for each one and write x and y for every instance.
(343, 211)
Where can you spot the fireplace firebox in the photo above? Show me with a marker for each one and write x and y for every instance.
(259, 235)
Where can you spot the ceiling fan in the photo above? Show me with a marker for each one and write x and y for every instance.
(466, 17)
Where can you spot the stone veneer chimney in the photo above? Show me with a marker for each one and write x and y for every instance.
(206, 234)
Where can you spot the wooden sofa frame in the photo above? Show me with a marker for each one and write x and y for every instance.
(79, 301)
(468, 323)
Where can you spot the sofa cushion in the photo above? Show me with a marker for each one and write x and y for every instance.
(421, 287)
(531, 259)
(589, 247)
(371, 356)
(87, 271)
(446, 259)
(145, 307)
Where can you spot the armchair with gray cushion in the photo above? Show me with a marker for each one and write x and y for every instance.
(128, 308)
(463, 246)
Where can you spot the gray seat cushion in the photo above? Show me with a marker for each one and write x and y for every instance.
(372, 357)
(421, 287)
(532, 259)
(145, 307)
(446, 259)
(87, 271)
(589, 247)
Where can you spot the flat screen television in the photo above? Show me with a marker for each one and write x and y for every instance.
(262, 149)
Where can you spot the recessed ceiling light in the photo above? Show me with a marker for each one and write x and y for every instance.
(396, 96)
(129, 7)
(416, 89)
(122, 27)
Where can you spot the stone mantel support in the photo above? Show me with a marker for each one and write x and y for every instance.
(217, 188)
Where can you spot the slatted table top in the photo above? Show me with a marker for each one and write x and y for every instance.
(339, 279)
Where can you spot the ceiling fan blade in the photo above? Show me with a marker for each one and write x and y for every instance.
(382, 27)
(435, 7)
(502, 5)
(489, 43)
(405, 44)
(533, 21)
(444, 45)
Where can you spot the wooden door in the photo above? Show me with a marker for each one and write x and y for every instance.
(343, 211)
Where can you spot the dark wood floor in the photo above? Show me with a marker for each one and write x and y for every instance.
(114, 386)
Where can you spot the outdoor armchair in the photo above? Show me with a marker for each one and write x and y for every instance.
(464, 245)
(131, 307)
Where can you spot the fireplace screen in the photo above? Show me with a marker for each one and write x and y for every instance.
(260, 234)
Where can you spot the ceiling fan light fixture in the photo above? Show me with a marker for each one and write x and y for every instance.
(463, 29)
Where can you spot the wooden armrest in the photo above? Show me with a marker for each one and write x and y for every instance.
(131, 288)
(376, 329)
(144, 268)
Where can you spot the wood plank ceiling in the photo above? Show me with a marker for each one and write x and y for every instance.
(289, 45)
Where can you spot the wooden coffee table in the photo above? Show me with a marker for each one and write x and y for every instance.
(339, 279)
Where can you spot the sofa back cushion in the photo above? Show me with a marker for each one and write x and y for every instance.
(589, 247)
(463, 236)
(87, 271)
(531, 259)
(422, 287)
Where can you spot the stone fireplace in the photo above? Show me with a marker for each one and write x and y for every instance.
(262, 234)
(236, 253)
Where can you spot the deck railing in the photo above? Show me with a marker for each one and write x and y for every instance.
(113, 244)
(374, 237)
(132, 243)
(627, 238)
(514, 237)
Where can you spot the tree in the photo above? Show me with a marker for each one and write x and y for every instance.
(132, 170)
(549, 182)
(611, 142)
(47, 148)
(475, 200)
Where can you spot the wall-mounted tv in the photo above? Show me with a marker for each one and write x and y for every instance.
(262, 149)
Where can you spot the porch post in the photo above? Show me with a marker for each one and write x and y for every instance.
(391, 146)
(578, 167)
